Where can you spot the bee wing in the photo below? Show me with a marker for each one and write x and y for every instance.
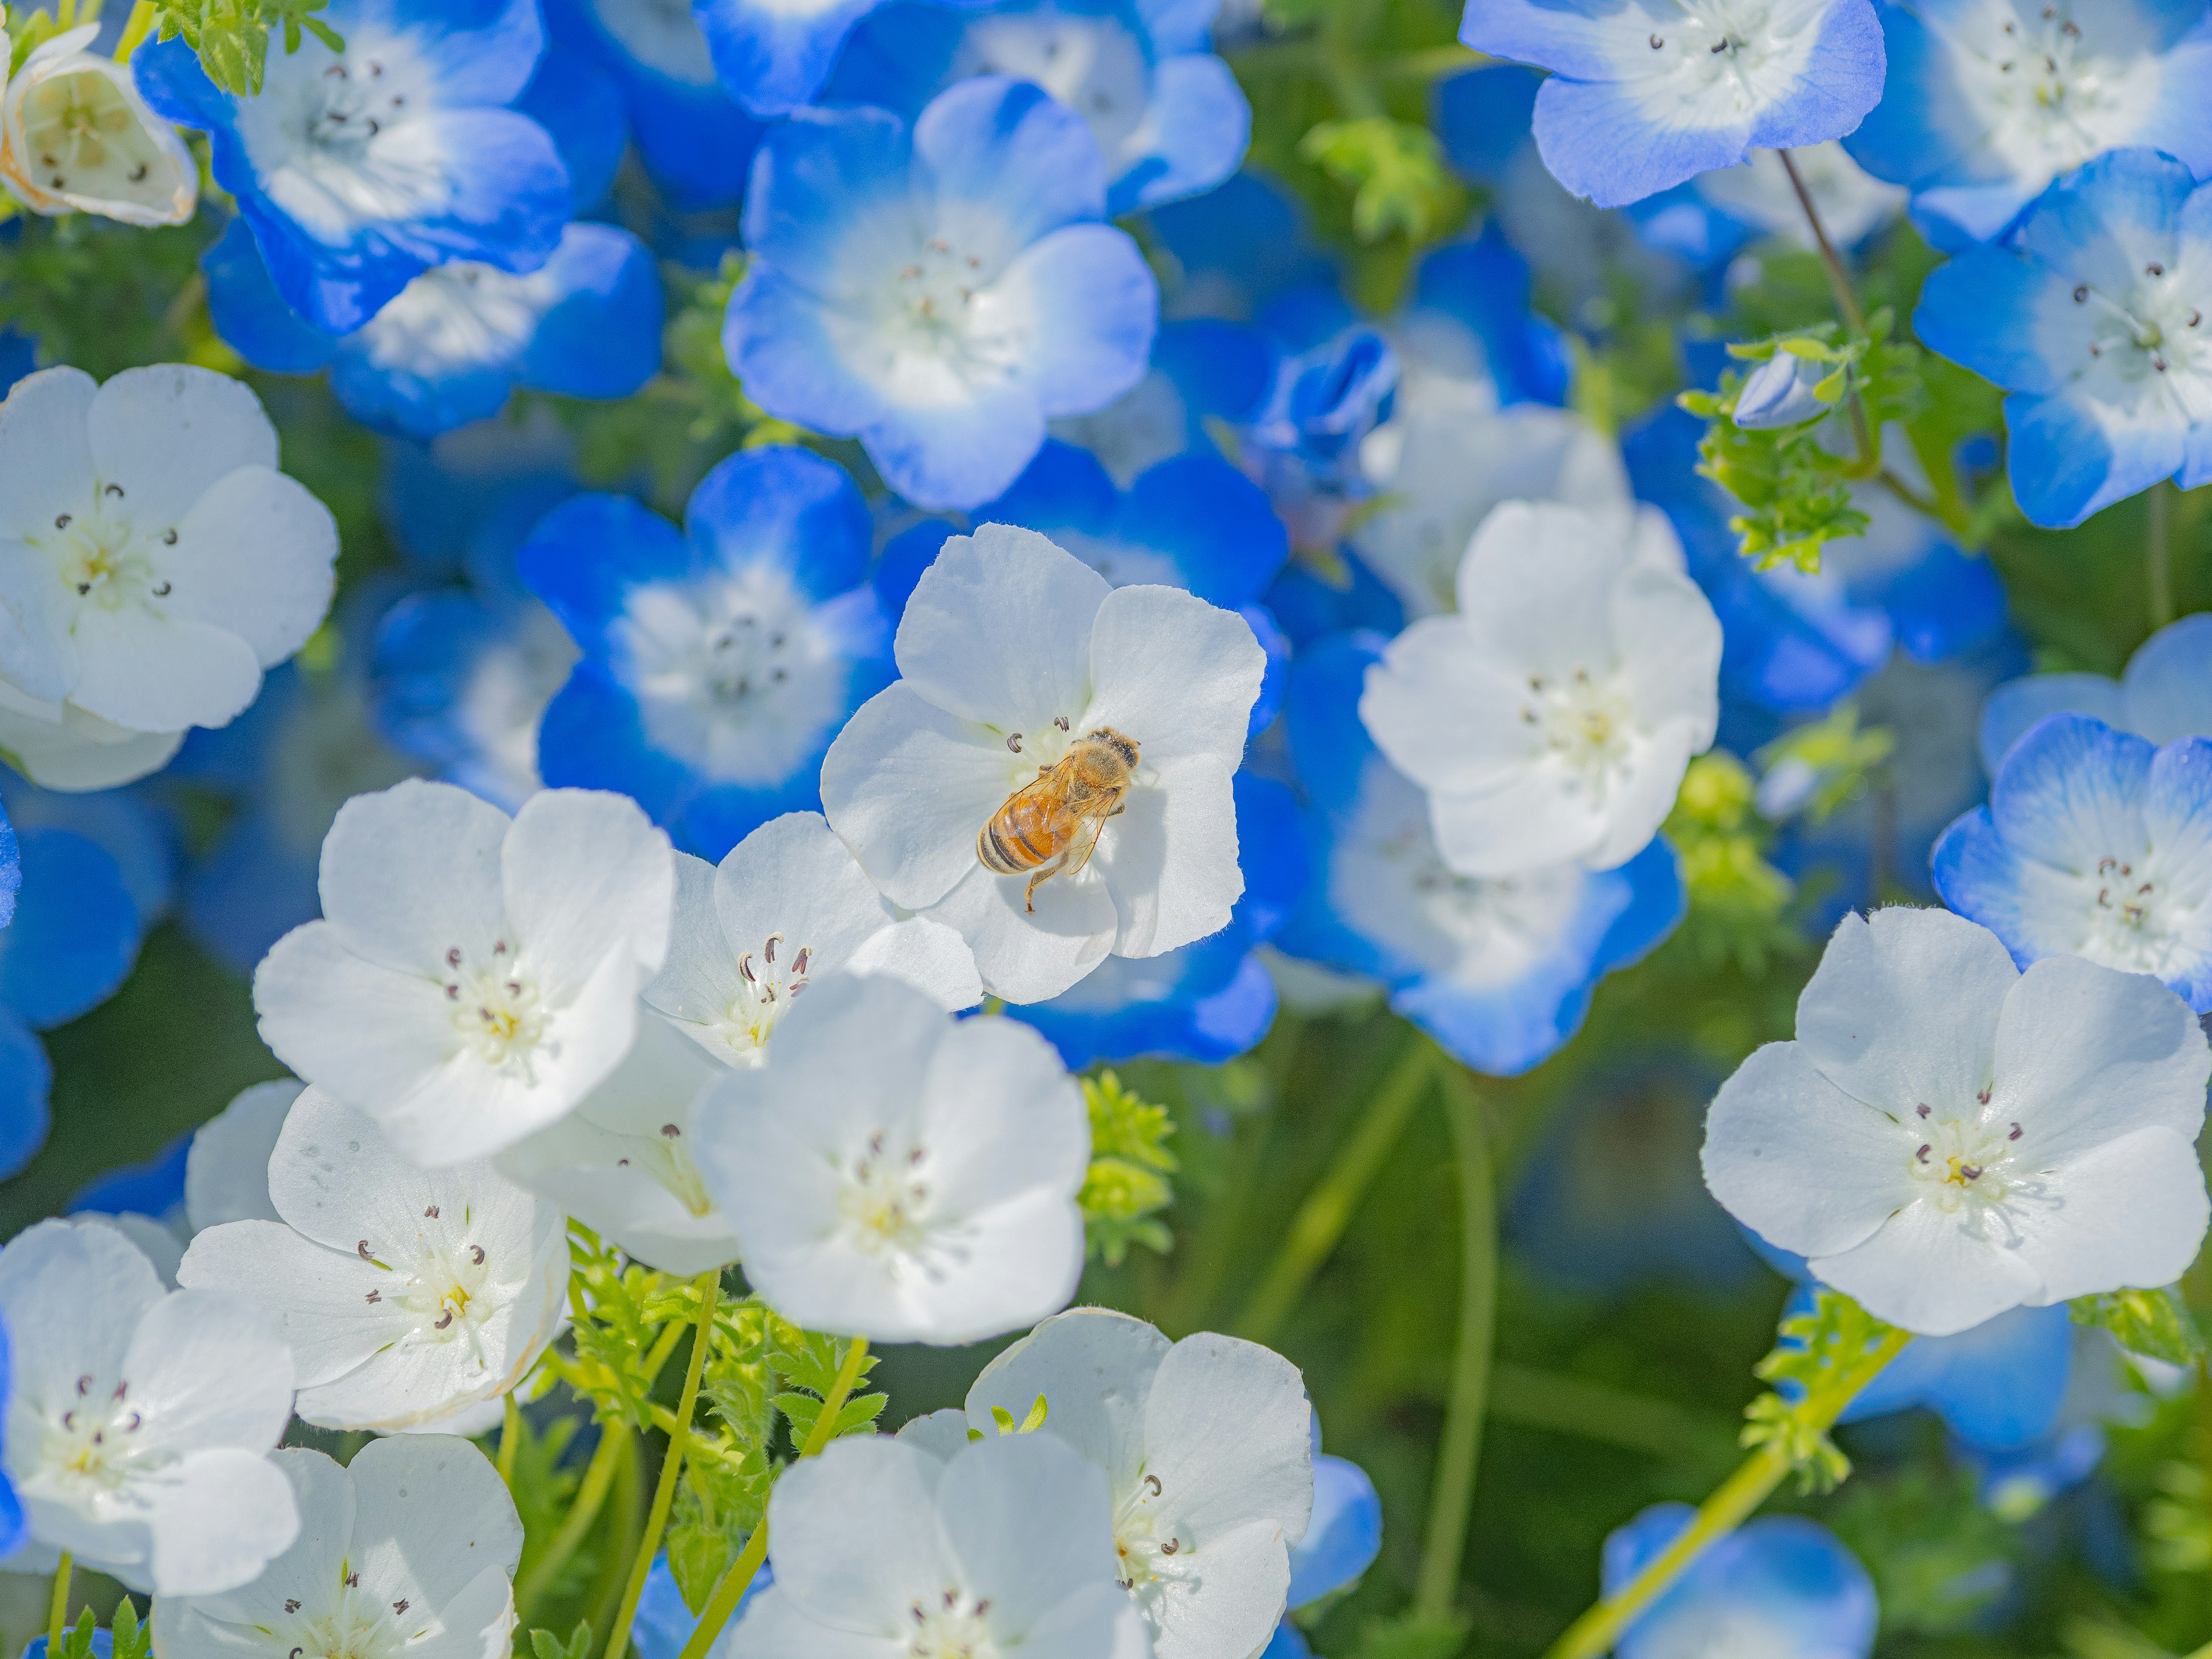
(1094, 814)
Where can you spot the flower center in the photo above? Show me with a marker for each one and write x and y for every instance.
(441, 1277)
(356, 1625)
(886, 1201)
(1720, 56)
(2151, 343)
(79, 125)
(1961, 1162)
(770, 979)
(954, 1626)
(92, 1444)
(1586, 723)
(2053, 99)
(1091, 65)
(494, 1006)
(100, 559)
(1145, 1540)
(344, 108)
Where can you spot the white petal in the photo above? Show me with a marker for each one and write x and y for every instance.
(208, 1369)
(167, 433)
(308, 1571)
(151, 673)
(1227, 1599)
(1094, 1368)
(998, 629)
(1028, 1521)
(1525, 820)
(319, 1296)
(857, 1534)
(1929, 1272)
(927, 954)
(1031, 958)
(2131, 1214)
(794, 876)
(1176, 674)
(72, 1296)
(2085, 1054)
(774, 1627)
(908, 788)
(1445, 713)
(1169, 860)
(46, 457)
(413, 871)
(1902, 1009)
(431, 1514)
(1535, 587)
(1802, 1164)
(1670, 644)
(1227, 1426)
(585, 873)
(217, 1521)
(253, 558)
(227, 1171)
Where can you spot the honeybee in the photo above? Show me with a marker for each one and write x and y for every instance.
(1051, 826)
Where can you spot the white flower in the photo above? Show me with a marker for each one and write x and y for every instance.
(1208, 1452)
(153, 563)
(1554, 716)
(1013, 652)
(884, 1551)
(789, 904)
(1448, 456)
(226, 1170)
(1853, 203)
(76, 138)
(141, 1421)
(410, 1297)
(622, 1162)
(1948, 1137)
(476, 976)
(409, 1549)
(894, 1173)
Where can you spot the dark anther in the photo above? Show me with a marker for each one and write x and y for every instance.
(132, 1427)
(768, 948)
(452, 994)
(362, 1250)
(116, 490)
(2014, 1135)
(454, 957)
(69, 1419)
(400, 1606)
(446, 1321)
(121, 1389)
(1171, 1546)
(372, 128)
(1657, 43)
(168, 538)
(476, 1254)
(2080, 294)
(1014, 742)
(83, 588)
(1154, 1481)
(138, 174)
(430, 1214)
(61, 521)
(1922, 1153)
(84, 1385)
(2153, 269)
(1060, 721)
(353, 1581)
(982, 1607)
(162, 590)
(2195, 317)
(669, 1131)
(292, 1607)
(374, 1296)
(1924, 1108)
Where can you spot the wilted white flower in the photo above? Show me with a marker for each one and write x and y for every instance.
(408, 1549)
(786, 906)
(412, 1299)
(76, 138)
(1015, 655)
(475, 976)
(1552, 718)
(163, 563)
(884, 1551)
(141, 1420)
(1207, 1448)
(1948, 1137)
(893, 1173)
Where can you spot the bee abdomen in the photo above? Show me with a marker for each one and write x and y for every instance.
(1004, 854)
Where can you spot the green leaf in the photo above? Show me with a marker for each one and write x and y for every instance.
(1819, 1356)
(717, 1508)
(76, 1641)
(546, 1646)
(1396, 171)
(1125, 1187)
(2155, 1324)
(133, 1640)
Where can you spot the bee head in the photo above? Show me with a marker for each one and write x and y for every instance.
(1125, 747)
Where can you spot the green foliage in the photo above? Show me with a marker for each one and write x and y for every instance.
(810, 1363)
(232, 36)
(617, 1310)
(1937, 1556)
(1795, 483)
(2156, 1324)
(546, 1646)
(1125, 1187)
(2177, 1521)
(544, 1487)
(105, 296)
(1821, 1360)
(1827, 761)
(133, 1640)
(1738, 903)
(1395, 173)
(1411, 1637)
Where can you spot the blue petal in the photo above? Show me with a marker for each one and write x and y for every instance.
(1310, 605)
(717, 819)
(141, 839)
(2071, 792)
(484, 51)
(1008, 148)
(601, 337)
(581, 106)
(1275, 681)
(2017, 706)
(26, 1077)
(1485, 285)
(1656, 904)
(593, 737)
(1238, 245)
(811, 176)
(787, 509)
(1839, 86)
(1213, 522)
(773, 58)
(1065, 490)
(253, 886)
(249, 313)
(12, 871)
(1783, 1572)
(777, 338)
(1997, 1386)
(2177, 812)
(2168, 684)
(1483, 117)
(154, 1187)
(586, 554)
(898, 57)
(76, 932)
(1981, 310)
(1345, 1534)
(2066, 464)
(1201, 126)
(907, 554)
(1598, 139)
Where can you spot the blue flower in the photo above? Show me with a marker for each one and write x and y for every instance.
(719, 661)
(19, 356)
(1166, 113)
(2164, 693)
(773, 55)
(938, 292)
(1642, 97)
(1205, 1002)
(1794, 642)
(1238, 246)
(664, 1624)
(70, 943)
(695, 141)
(358, 171)
(1781, 1586)
(2095, 316)
(12, 1529)
(1345, 1534)
(2095, 844)
(1986, 105)
(579, 104)
(1708, 219)
(458, 339)
(1499, 972)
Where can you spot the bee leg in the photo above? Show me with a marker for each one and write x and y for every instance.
(1044, 874)
(1120, 807)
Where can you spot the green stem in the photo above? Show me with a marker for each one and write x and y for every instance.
(739, 1577)
(591, 1493)
(1729, 1507)
(625, 1522)
(1839, 275)
(1593, 1410)
(1326, 1213)
(510, 1440)
(1445, 1546)
(709, 1286)
(58, 1609)
(2158, 553)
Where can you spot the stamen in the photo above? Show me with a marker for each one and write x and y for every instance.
(1014, 741)
(431, 1213)
(476, 1254)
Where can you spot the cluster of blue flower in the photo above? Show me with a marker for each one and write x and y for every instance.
(995, 262)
